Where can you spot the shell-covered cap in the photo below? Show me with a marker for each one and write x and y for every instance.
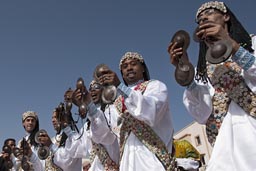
(29, 114)
(212, 4)
(131, 55)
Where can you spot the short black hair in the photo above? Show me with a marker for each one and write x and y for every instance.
(9, 139)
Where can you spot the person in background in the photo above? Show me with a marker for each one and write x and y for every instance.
(104, 157)
(7, 158)
(28, 145)
(187, 156)
(222, 95)
(68, 146)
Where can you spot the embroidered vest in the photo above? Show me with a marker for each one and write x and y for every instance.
(143, 132)
(106, 161)
(229, 85)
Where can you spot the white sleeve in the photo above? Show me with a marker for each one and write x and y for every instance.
(37, 165)
(34, 160)
(100, 130)
(197, 99)
(77, 145)
(150, 105)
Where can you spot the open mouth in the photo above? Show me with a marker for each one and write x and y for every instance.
(94, 96)
(131, 74)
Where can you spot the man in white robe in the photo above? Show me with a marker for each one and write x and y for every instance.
(30, 123)
(104, 157)
(68, 147)
(144, 105)
(223, 94)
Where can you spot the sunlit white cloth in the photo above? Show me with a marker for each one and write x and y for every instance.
(112, 149)
(152, 107)
(187, 164)
(35, 161)
(70, 157)
(234, 147)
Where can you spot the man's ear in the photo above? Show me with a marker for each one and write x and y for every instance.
(226, 17)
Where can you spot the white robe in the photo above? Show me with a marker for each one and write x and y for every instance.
(152, 107)
(69, 158)
(36, 162)
(234, 148)
(112, 149)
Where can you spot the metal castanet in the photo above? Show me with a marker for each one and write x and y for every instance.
(218, 50)
(43, 151)
(8, 162)
(82, 108)
(22, 154)
(109, 92)
(184, 72)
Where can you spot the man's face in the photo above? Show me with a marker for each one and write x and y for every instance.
(132, 71)
(29, 124)
(11, 144)
(95, 91)
(55, 121)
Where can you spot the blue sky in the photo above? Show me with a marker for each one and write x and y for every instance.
(45, 45)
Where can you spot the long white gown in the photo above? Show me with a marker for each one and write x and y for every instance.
(234, 148)
(152, 107)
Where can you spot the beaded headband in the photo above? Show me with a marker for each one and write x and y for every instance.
(131, 55)
(29, 114)
(212, 4)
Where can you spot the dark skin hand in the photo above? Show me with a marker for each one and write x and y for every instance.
(108, 77)
(5, 156)
(209, 32)
(217, 32)
(78, 94)
(27, 151)
(175, 53)
(45, 139)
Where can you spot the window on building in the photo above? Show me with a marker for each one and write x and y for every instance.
(198, 140)
(202, 159)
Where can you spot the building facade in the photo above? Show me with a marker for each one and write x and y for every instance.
(196, 135)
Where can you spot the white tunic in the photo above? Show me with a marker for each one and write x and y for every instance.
(69, 158)
(152, 107)
(35, 161)
(234, 148)
(112, 149)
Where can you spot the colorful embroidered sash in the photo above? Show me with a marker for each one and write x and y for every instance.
(50, 165)
(229, 85)
(143, 132)
(106, 161)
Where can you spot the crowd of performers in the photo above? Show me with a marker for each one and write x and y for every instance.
(127, 122)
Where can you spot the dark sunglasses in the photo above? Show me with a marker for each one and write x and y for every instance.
(95, 87)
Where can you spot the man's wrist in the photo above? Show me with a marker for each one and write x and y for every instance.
(123, 90)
